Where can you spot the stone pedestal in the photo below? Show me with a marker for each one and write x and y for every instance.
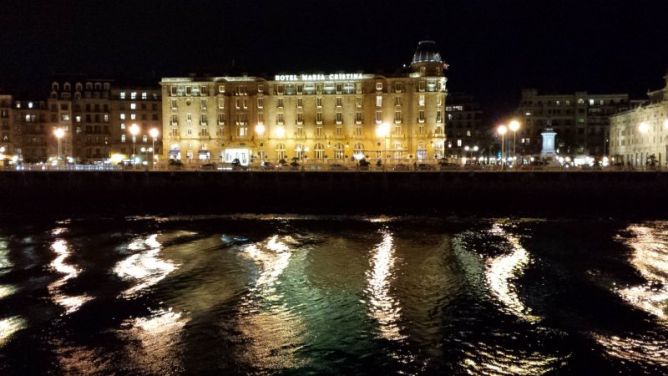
(548, 143)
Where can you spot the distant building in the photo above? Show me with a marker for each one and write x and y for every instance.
(135, 105)
(464, 119)
(311, 117)
(9, 140)
(640, 135)
(581, 121)
(32, 130)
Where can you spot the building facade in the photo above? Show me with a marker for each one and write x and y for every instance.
(141, 106)
(309, 117)
(8, 131)
(466, 132)
(581, 121)
(640, 135)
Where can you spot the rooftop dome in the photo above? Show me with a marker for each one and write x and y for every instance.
(427, 52)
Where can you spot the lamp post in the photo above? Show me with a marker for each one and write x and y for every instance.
(514, 126)
(501, 130)
(153, 132)
(259, 130)
(382, 131)
(134, 131)
(59, 133)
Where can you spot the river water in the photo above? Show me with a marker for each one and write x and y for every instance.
(333, 295)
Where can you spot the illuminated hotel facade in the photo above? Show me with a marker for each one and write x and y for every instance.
(315, 118)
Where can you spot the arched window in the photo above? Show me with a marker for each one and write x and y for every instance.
(55, 86)
(398, 150)
(300, 151)
(338, 151)
(358, 150)
(89, 86)
(421, 153)
(67, 86)
(78, 86)
(319, 151)
(280, 152)
(98, 86)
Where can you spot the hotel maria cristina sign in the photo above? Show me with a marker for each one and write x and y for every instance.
(321, 77)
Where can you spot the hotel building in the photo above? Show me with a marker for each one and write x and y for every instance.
(641, 133)
(311, 117)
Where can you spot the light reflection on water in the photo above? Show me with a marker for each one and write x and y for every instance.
(266, 319)
(649, 245)
(650, 258)
(503, 270)
(145, 268)
(9, 326)
(375, 295)
(153, 341)
(71, 303)
(382, 306)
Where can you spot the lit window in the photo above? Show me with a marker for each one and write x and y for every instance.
(379, 101)
(133, 95)
(421, 100)
(122, 116)
(133, 116)
(122, 126)
(144, 96)
(121, 95)
(379, 86)
(133, 106)
(122, 138)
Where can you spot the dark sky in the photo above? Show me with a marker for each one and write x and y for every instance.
(494, 48)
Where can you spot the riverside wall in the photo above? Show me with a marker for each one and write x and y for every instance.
(479, 193)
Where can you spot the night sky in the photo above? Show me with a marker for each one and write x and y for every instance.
(494, 48)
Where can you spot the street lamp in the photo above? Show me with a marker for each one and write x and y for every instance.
(501, 130)
(280, 131)
(259, 130)
(514, 126)
(59, 133)
(134, 131)
(153, 132)
(643, 127)
(382, 131)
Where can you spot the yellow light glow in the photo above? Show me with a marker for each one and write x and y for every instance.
(501, 129)
(154, 132)
(280, 131)
(643, 127)
(259, 129)
(134, 129)
(382, 130)
(59, 133)
(514, 125)
(117, 158)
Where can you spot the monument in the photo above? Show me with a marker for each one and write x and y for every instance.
(548, 143)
